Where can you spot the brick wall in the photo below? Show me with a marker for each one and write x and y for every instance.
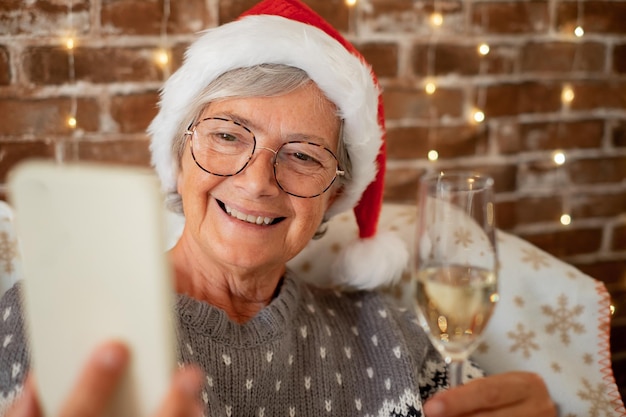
(113, 87)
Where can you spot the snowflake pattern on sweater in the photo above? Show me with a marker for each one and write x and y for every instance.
(310, 352)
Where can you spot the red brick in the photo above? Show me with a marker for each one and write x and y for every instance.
(116, 151)
(5, 66)
(45, 65)
(133, 113)
(597, 204)
(602, 17)
(121, 16)
(42, 17)
(618, 132)
(618, 340)
(529, 210)
(46, 116)
(594, 95)
(611, 273)
(619, 369)
(597, 170)
(567, 241)
(403, 102)
(462, 60)
(510, 18)
(448, 141)
(579, 134)
(563, 57)
(401, 185)
(333, 11)
(13, 152)
(383, 57)
(526, 97)
(619, 58)
(619, 237)
(408, 15)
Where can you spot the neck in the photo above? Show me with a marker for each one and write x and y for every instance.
(241, 293)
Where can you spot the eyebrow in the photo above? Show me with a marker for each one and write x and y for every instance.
(318, 140)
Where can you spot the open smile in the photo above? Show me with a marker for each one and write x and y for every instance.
(248, 218)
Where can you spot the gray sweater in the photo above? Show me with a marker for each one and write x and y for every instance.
(310, 352)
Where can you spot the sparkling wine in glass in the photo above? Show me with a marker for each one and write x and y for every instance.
(455, 263)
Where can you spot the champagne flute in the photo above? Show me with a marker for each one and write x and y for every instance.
(455, 263)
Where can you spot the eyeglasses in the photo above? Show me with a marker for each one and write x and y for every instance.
(224, 148)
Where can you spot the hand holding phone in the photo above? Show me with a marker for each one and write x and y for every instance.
(92, 243)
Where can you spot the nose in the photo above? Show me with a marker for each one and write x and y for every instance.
(257, 178)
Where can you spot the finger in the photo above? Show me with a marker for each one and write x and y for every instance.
(27, 404)
(97, 382)
(509, 390)
(183, 397)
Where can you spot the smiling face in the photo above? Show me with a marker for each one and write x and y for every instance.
(222, 212)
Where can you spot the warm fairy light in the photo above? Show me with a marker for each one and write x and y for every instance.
(70, 43)
(351, 3)
(162, 57)
(566, 219)
(483, 49)
(71, 122)
(567, 95)
(478, 116)
(433, 155)
(436, 19)
(612, 309)
(558, 157)
(579, 31)
(430, 87)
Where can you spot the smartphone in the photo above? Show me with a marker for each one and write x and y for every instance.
(92, 240)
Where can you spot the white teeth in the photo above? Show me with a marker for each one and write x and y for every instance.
(248, 217)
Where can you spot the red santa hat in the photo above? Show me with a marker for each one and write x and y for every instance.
(288, 32)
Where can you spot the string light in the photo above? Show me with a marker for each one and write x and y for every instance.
(612, 309)
(566, 219)
(436, 19)
(567, 94)
(478, 116)
(70, 45)
(430, 88)
(351, 3)
(162, 54)
(71, 122)
(483, 49)
(433, 155)
(162, 57)
(558, 157)
(579, 31)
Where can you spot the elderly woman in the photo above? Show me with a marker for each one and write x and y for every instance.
(271, 126)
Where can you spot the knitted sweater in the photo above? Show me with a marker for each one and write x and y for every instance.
(310, 352)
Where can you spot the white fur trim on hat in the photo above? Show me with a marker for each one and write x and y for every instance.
(345, 80)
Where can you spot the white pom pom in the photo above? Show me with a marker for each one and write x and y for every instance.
(371, 263)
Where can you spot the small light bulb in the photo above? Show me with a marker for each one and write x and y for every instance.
(436, 19)
(430, 87)
(71, 122)
(566, 219)
(478, 116)
(579, 31)
(162, 57)
(612, 309)
(433, 155)
(567, 95)
(483, 49)
(351, 3)
(70, 43)
(558, 157)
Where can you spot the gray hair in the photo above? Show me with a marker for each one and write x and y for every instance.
(265, 80)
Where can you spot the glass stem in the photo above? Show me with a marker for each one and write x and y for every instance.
(455, 373)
